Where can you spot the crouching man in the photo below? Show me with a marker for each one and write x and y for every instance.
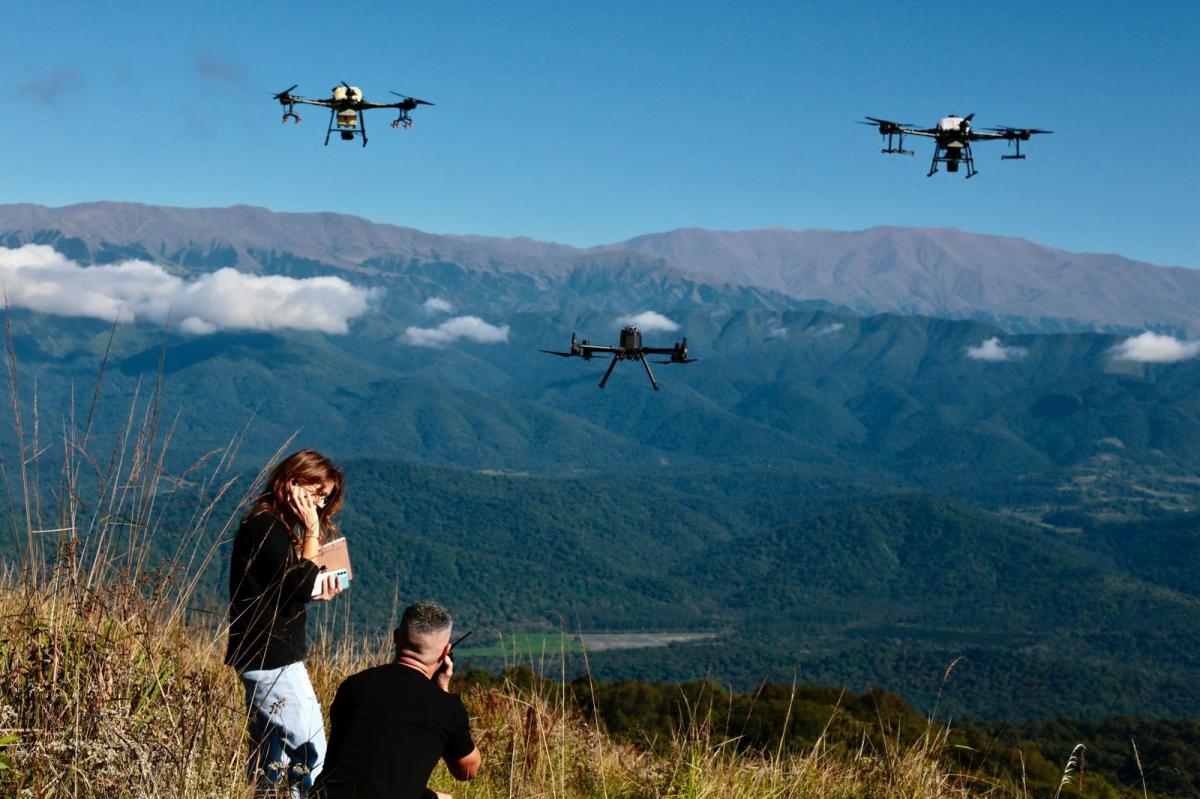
(390, 724)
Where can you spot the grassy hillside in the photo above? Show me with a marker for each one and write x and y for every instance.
(106, 692)
(111, 681)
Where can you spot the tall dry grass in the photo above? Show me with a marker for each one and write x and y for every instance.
(110, 695)
(109, 686)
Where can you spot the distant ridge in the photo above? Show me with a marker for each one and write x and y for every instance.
(939, 272)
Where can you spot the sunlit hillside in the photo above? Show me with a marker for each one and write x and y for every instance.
(111, 683)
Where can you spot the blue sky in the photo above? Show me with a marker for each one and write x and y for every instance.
(589, 123)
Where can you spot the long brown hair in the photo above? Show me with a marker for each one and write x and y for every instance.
(306, 467)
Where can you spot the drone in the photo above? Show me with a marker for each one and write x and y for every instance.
(346, 106)
(953, 137)
(630, 349)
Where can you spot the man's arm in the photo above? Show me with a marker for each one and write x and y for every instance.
(465, 768)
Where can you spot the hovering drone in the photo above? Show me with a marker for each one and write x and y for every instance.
(630, 349)
(953, 137)
(346, 107)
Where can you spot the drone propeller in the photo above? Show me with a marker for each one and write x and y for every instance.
(414, 99)
(885, 125)
(286, 93)
(966, 121)
(562, 354)
(681, 360)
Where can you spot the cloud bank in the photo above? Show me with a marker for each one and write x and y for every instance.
(471, 328)
(1152, 347)
(992, 350)
(40, 279)
(829, 329)
(649, 322)
(436, 305)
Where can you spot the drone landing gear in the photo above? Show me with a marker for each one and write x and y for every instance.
(1018, 156)
(608, 372)
(404, 120)
(952, 157)
(899, 148)
(649, 374)
(347, 132)
(613, 363)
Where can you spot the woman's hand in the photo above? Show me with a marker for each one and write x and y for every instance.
(305, 505)
(330, 586)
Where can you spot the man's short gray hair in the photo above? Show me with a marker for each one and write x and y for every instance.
(423, 618)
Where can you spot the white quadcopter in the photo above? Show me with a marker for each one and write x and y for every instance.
(952, 140)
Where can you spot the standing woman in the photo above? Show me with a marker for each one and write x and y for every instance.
(272, 578)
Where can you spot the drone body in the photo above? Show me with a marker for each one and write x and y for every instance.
(346, 110)
(952, 140)
(629, 349)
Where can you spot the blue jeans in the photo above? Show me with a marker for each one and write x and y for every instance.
(287, 733)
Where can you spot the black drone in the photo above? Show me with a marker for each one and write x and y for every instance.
(953, 137)
(346, 106)
(630, 349)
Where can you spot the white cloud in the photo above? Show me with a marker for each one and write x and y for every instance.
(1150, 347)
(649, 322)
(38, 278)
(436, 305)
(777, 331)
(993, 350)
(829, 329)
(471, 328)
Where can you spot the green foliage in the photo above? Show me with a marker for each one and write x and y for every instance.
(1168, 749)
(778, 719)
(7, 741)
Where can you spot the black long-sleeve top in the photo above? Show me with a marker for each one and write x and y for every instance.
(269, 590)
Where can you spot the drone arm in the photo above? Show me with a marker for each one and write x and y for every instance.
(306, 101)
(589, 349)
(364, 105)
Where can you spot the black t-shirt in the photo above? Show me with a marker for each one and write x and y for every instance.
(269, 590)
(388, 727)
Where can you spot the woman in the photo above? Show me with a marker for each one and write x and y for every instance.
(272, 578)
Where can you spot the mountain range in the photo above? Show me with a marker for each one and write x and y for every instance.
(947, 273)
(897, 446)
